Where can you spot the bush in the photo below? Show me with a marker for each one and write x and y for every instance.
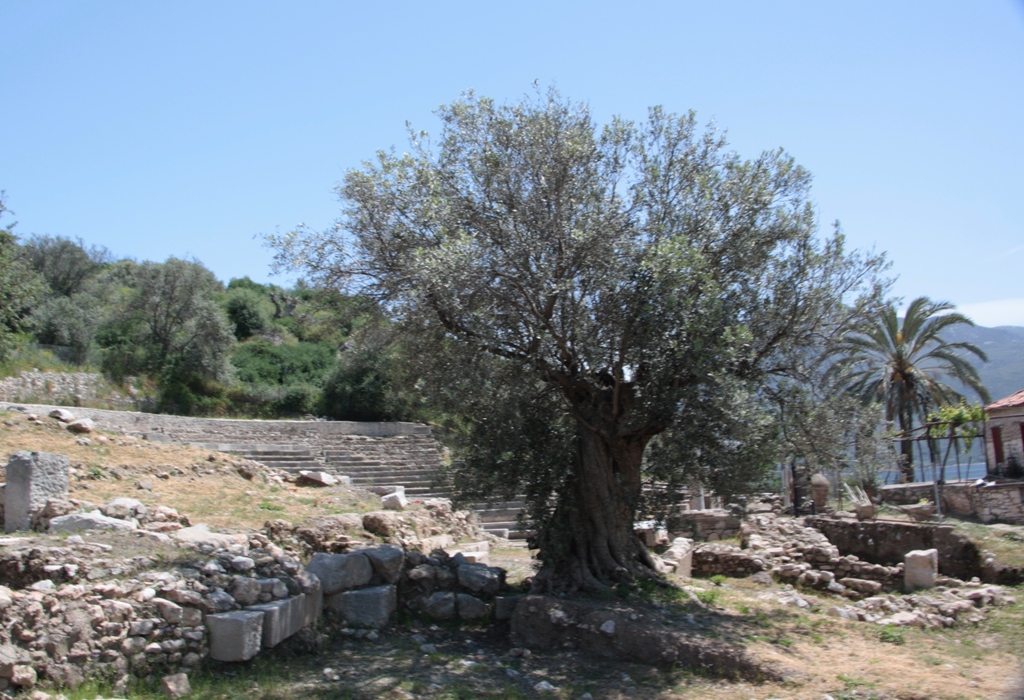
(261, 362)
(247, 310)
(356, 392)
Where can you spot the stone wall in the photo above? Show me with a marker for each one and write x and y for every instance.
(703, 525)
(1002, 502)
(187, 429)
(64, 388)
(887, 542)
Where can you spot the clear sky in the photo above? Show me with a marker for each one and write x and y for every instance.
(189, 128)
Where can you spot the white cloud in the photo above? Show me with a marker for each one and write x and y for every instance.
(999, 312)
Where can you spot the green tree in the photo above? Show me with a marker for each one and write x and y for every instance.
(905, 364)
(579, 291)
(65, 264)
(163, 321)
(20, 287)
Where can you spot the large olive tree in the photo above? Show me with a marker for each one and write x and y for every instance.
(600, 287)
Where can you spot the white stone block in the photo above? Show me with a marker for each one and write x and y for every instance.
(235, 636)
(32, 478)
(920, 567)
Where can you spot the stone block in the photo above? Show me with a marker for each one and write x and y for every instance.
(32, 478)
(314, 604)
(394, 501)
(480, 578)
(340, 572)
(176, 686)
(505, 606)
(920, 567)
(235, 636)
(386, 561)
(367, 607)
(681, 554)
(471, 607)
(94, 520)
(439, 606)
(281, 619)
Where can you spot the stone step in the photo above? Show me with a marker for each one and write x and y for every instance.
(355, 471)
(488, 516)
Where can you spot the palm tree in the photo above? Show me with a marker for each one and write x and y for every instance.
(903, 365)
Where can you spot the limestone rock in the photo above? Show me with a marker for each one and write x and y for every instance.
(83, 425)
(386, 560)
(94, 520)
(175, 686)
(480, 579)
(394, 501)
(63, 415)
(317, 478)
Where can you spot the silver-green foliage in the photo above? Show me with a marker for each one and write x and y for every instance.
(574, 291)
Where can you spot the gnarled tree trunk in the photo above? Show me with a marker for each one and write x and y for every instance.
(589, 542)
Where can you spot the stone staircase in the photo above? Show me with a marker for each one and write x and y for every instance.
(501, 518)
(412, 461)
(288, 458)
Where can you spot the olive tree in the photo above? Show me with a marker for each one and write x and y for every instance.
(602, 288)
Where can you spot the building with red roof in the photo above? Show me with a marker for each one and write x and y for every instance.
(1004, 437)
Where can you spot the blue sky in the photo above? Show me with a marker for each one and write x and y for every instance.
(189, 128)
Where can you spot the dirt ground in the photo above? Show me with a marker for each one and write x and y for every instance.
(824, 656)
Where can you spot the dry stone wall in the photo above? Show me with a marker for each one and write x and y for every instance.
(65, 388)
(996, 502)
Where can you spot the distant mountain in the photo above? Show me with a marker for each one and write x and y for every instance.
(1003, 374)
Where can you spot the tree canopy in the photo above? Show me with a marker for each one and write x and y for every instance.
(604, 285)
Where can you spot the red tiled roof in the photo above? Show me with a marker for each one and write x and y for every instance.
(1011, 401)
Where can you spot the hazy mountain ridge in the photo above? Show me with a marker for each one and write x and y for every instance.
(1003, 374)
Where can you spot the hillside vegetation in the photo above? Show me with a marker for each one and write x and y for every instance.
(180, 341)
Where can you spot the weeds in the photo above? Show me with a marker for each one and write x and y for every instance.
(890, 634)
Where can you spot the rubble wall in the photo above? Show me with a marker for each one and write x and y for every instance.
(887, 541)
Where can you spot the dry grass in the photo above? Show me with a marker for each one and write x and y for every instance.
(222, 499)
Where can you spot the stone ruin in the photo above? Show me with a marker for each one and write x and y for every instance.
(73, 609)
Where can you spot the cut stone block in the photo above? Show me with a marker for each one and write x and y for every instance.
(235, 636)
(281, 619)
(367, 607)
(314, 604)
(340, 572)
(681, 553)
(394, 501)
(32, 478)
(386, 560)
(920, 567)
